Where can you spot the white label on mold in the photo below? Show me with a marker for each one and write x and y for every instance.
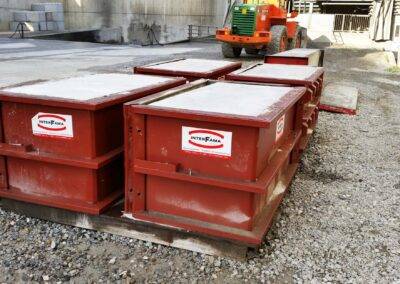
(206, 141)
(280, 126)
(52, 125)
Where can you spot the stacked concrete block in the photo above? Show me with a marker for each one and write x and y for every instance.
(30, 19)
(54, 15)
(28, 26)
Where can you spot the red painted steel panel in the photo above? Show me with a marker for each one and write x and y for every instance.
(313, 81)
(80, 170)
(200, 202)
(232, 197)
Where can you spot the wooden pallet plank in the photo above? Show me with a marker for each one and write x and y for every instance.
(112, 223)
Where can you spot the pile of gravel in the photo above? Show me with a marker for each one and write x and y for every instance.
(340, 221)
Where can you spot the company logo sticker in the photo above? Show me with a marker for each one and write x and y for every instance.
(280, 126)
(52, 125)
(206, 141)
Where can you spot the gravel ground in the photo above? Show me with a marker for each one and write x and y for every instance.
(340, 221)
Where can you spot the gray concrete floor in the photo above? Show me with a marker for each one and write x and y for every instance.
(24, 60)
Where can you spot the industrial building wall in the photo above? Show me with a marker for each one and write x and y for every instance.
(140, 20)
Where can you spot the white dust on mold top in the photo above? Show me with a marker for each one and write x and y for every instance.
(88, 87)
(298, 52)
(192, 65)
(280, 71)
(227, 98)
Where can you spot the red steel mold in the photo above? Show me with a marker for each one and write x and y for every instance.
(297, 56)
(61, 150)
(191, 69)
(212, 158)
(292, 75)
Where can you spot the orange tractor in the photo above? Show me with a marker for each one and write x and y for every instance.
(260, 25)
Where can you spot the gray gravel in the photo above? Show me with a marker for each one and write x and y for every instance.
(340, 221)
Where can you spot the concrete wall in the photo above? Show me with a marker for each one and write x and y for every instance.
(320, 32)
(141, 20)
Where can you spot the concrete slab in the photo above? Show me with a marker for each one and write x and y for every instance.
(58, 16)
(89, 86)
(340, 98)
(48, 7)
(227, 98)
(59, 26)
(50, 26)
(49, 16)
(43, 26)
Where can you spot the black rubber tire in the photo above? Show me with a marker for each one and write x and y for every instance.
(297, 37)
(230, 51)
(252, 51)
(304, 37)
(278, 32)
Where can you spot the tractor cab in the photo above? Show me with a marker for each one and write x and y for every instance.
(259, 25)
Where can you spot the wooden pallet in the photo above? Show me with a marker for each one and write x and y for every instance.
(112, 222)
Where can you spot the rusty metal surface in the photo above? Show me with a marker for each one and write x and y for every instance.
(206, 188)
(65, 153)
(297, 56)
(306, 76)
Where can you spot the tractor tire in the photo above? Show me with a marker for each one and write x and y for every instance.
(304, 37)
(252, 51)
(230, 51)
(279, 41)
(297, 40)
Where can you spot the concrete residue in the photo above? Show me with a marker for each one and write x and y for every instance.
(89, 87)
(227, 98)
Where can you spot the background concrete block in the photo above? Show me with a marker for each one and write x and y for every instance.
(32, 26)
(48, 7)
(29, 26)
(51, 26)
(340, 96)
(13, 26)
(49, 16)
(43, 26)
(59, 26)
(58, 16)
(38, 7)
(20, 16)
(35, 16)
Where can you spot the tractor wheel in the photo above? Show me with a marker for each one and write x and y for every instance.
(252, 51)
(279, 39)
(304, 37)
(296, 42)
(230, 51)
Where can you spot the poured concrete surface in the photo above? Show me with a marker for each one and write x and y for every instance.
(299, 52)
(280, 71)
(340, 96)
(227, 98)
(192, 65)
(89, 86)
